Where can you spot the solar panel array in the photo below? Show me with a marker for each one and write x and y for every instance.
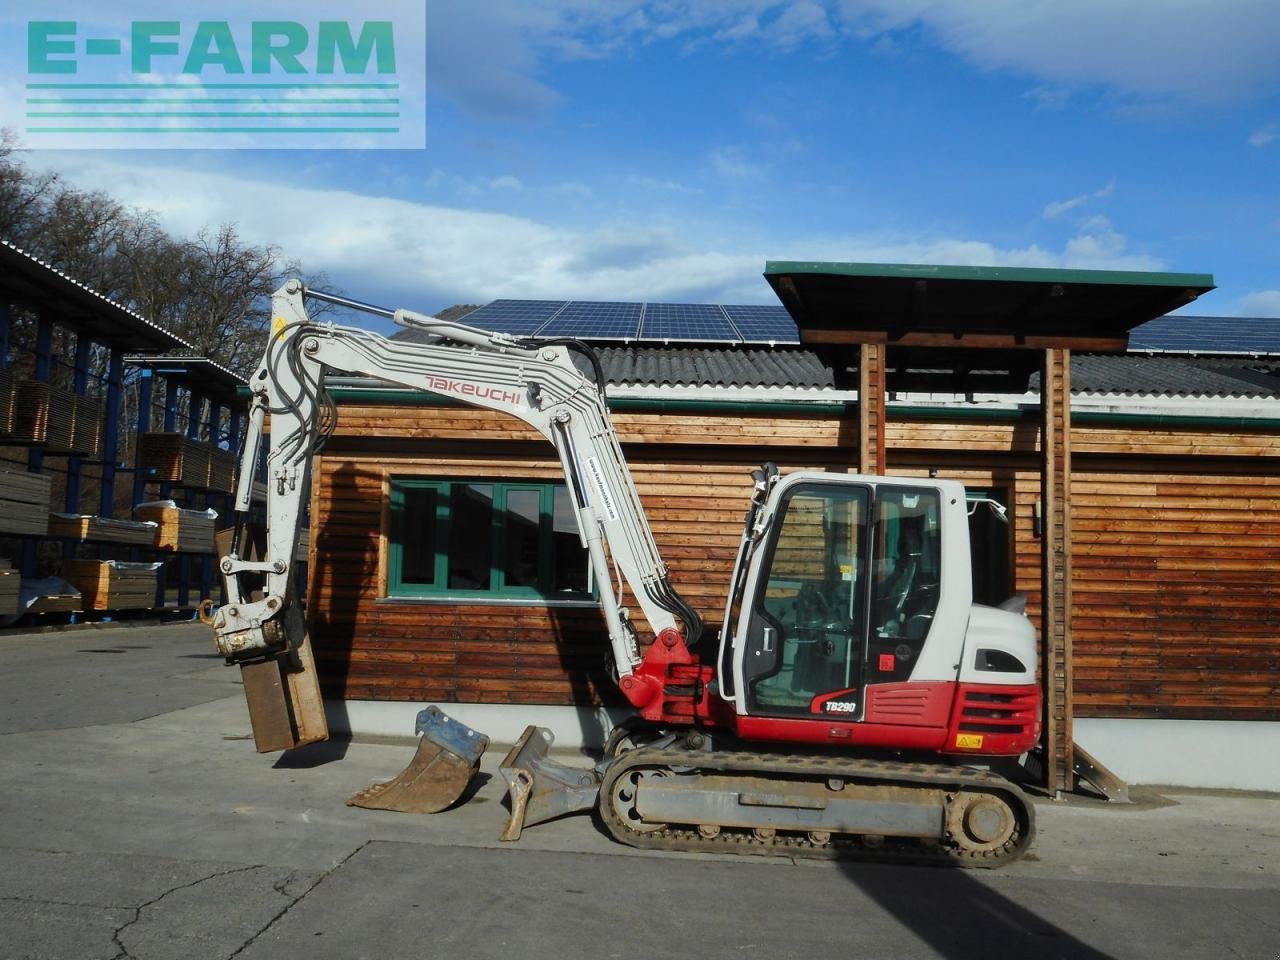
(660, 322)
(1185, 334)
(713, 323)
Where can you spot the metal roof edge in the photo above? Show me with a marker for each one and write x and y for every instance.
(90, 291)
(956, 272)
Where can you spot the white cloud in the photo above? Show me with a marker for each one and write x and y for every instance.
(488, 56)
(656, 183)
(1264, 135)
(429, 252)
(507, 182)
(1263, 303)
(1185, 48)
(732, 163)
(1057, 208)
(805, 20)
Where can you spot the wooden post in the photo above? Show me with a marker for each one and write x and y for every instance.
(871, 366)
(1055, 544)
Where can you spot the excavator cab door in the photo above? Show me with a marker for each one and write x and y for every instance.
(844, 595)
(806, 619)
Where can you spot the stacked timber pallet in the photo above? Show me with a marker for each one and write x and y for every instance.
(222, 470)
(109, 585)
(175, 458)
(61, 602)
(6, 402)
(61, 421)
(10, 585)
(182, 531)
(141, 533)
(24, 503)
(195, 464)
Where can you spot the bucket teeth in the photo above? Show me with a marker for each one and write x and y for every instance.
(448, 757)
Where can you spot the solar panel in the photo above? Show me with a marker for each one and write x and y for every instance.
(686, 321)
(660, 322)
(1187, 334)
(595, 321)
(763, 324)
(517, 317)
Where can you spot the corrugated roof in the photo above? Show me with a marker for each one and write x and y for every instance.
(28, 278)
(798, 368)
(682, 366)
(1168, 376)
(712, 367)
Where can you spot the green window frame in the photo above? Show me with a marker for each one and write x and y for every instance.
(431, 506)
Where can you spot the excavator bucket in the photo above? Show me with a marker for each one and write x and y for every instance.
(448, 757)
(541, 789)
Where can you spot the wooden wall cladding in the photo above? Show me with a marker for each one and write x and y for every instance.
(675, 428)
(405, 650)
(1176, 602)
(1176, 578)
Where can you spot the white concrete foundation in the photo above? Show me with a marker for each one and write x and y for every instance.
(1225, 754)
(574, 727)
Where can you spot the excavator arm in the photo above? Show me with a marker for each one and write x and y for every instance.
(537, 382)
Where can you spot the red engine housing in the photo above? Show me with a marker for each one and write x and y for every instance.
(671, 687)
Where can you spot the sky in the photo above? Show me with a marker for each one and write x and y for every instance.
(664, 151)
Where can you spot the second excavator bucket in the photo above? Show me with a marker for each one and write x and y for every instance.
(541, 789)
(438, 775)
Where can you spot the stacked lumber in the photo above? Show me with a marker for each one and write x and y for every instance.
(110, 585)
(175, 458)
(10, 584)
(61, 421)
(140, 533)
(6, 401)
(56, 603)
(182, 531)
(24, 503)
(222, 470)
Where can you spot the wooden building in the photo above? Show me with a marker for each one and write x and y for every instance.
(1173, 533)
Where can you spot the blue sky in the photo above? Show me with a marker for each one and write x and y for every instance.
(664, 151)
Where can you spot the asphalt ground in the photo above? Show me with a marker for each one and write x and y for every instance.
(137, 821)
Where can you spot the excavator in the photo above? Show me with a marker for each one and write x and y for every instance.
(855, 701)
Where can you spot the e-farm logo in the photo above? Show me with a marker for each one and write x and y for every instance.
(210, 83)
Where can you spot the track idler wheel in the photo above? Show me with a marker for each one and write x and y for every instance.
(981, 824)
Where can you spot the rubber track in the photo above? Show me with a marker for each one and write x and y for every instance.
(876, 772)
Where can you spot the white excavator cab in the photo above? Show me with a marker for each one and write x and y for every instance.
(853, 580)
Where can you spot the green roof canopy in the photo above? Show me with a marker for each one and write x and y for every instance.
(977, 307)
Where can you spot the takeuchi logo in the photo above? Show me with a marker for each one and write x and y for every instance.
(194, 48)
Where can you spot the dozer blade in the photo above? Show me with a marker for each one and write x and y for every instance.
(541, 789)
(448, 757)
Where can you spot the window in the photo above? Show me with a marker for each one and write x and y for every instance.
(461, 538)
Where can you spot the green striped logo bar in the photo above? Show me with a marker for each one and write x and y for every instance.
(286, 78)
